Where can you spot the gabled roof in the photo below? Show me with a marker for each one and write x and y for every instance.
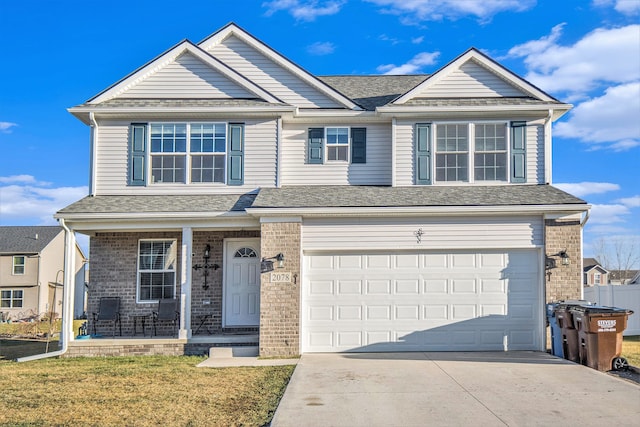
(169, 56)
(485, 62)
(26, 239)
(312, 80)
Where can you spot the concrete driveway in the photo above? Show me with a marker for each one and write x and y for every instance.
(454, 389)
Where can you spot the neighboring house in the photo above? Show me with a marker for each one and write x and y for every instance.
(594, 273)
(624, 277)
(31, 271)
(400, 212)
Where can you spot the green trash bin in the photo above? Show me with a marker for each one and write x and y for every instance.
(600, 336)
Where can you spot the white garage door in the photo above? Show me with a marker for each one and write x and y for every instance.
(451, 301)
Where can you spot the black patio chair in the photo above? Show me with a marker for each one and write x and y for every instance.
(167, 312)
(108, 311)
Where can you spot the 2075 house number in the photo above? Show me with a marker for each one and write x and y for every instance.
(281, 277)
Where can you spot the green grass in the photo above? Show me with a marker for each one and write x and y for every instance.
(631, 350)
(140, 391)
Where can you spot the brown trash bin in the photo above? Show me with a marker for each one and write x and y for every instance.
(564, 317)
(600, 336)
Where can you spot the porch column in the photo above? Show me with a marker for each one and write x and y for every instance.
(185, 283)
(67, 333)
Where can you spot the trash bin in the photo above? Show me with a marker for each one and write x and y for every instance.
(600, 336)
(556, 332)
(570, 347)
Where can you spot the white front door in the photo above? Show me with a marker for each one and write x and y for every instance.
(242, 283)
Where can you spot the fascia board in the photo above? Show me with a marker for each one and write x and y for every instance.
(483, 60)
(133, 110)
(97, 225)
(169, 56)
(412, 110)
(233, 29)
(147, 215)
(419, 210)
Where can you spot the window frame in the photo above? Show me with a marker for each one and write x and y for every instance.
(189, 154)
(15, 264)
(337, 145)
(495, 152)
(140, 271)
(12, 298)
(597, 278)
(470, 153)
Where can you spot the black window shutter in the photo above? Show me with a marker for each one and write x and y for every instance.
(358, 145)
(137, 154)
(423, 154)
(518, 152)
(235, 154)
(315, 146)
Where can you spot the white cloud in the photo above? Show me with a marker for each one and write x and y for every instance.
(321, 48)
(414, 65)
(31, 201)
(417, 40)
(581, 189)
(603, 56)
(627, 7)
(612, 119)
(435, 10)
(632, 202)
(6, 127)
(608, 214)
(304, 10)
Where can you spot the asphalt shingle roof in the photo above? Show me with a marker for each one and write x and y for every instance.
(327, 196)
(373, 91)
(22, 239)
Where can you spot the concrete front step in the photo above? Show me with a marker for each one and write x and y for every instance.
(227, 352)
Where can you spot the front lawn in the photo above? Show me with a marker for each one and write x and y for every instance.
(140, 391)
(631, 350)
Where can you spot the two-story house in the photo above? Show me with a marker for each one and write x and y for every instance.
(594, 273)
(399, 213)
(31, 272)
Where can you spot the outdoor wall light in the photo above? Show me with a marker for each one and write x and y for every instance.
(266, 264)
(206, 266)
(564, 257)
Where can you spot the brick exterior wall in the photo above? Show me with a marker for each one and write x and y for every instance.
(139, 348)
(280, 302)
(564, 281)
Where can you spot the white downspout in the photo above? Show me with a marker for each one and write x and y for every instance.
(278, 152)
(547, 148)
(92, 153)
(66, 332)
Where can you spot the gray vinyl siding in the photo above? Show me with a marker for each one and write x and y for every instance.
(439, 233)
(296, 170)
(470, 81)
(269, 75)
(187, 77)
(111, 171)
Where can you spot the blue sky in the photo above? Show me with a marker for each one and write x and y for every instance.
(57, 54)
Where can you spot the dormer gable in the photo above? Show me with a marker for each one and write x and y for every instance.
(274, 72)
(185, 71)
(474, 75)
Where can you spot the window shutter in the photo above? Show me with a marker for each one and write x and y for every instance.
(235, 156)
(315, 146)
(423, 154)
(518, 151)
(359, 145)
(137, 154)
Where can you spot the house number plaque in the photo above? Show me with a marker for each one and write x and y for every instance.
(281, 277)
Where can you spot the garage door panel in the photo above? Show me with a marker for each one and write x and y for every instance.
(421, 302)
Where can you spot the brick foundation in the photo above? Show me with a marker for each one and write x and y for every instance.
(280, 302)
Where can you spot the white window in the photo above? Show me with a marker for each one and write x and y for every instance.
(11, 298)
(156, 269)
(452, 152)
(597, 278)
(490, 156)
(18, 265)
(202, 159)
(471, 152)
(337, 144)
